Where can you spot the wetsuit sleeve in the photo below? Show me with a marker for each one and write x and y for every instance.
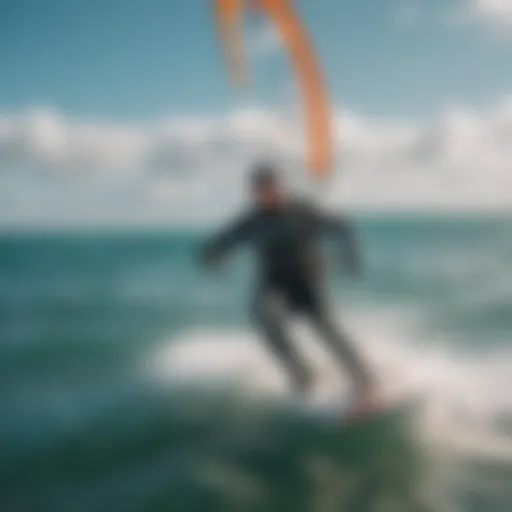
(236, 233)
(342, 229)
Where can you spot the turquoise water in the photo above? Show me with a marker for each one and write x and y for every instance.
(131, 380)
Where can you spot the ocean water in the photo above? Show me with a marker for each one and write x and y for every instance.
(131, 379)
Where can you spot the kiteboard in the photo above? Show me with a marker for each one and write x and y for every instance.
(344, 411)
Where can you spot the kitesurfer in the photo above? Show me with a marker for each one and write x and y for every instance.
(285, 232)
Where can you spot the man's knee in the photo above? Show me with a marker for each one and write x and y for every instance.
(268, 309)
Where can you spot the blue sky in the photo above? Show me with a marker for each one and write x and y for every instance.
(134, 62)
(136, 59)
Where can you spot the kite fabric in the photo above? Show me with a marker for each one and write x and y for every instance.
(316, 105)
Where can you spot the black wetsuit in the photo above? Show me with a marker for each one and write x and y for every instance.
(287, 243)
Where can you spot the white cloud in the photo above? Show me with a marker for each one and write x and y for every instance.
(494, 13)
(191, 169)
(45, 140)
(461, 160)
(499, 11)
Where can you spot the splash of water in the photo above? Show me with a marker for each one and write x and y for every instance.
(464, 425)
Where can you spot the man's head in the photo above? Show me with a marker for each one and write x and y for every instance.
(266, 186)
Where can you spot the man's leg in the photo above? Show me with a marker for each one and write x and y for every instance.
(269, 314)
(342, 348)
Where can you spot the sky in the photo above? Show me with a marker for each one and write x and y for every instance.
(121, 111)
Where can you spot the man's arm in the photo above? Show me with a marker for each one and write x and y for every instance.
(343, 230)
(236, 233)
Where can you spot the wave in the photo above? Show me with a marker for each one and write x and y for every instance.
(459, 437)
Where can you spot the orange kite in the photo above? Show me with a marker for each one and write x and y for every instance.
(316, 102)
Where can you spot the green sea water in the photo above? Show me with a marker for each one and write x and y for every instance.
(131, 380)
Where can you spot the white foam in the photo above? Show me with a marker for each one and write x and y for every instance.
(237, 355)
(464, 392)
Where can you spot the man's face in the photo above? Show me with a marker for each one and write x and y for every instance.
(268, 194)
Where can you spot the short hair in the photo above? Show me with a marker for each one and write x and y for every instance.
(263, 174)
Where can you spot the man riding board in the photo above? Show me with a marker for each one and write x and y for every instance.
(286, 233)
